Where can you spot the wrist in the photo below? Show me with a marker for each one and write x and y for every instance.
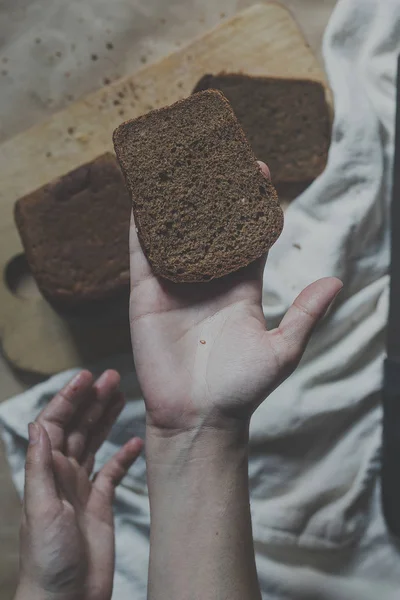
(170, 446)
(166, 423)
(185, 456)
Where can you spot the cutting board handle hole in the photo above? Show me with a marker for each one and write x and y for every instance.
(19, 279)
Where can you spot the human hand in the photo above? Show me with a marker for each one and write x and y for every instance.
(67, 529)
(203, 353)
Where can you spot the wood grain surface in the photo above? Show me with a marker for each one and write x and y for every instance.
(263, 40)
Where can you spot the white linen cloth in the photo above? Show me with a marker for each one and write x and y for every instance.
(315, 443)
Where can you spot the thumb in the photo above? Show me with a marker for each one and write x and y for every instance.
(291, 337)
(40, 486)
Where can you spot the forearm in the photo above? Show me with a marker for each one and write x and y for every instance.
(201, 544)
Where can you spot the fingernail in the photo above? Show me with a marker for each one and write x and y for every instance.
(103, 377)
(328, 310)
(34, 433)
(75, 381)
(339, 290)
(336, 295)
(108, 376)
(139, 443)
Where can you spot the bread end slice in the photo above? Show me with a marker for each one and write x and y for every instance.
(286, 121)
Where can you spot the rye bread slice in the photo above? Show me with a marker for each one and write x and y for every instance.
(286, 122)
(75, 233)
(202, 207)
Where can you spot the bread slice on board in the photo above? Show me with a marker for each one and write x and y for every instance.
(75, 232)
(201, 204)
(286, 121)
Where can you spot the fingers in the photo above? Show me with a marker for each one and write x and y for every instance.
(264, 169)
(40, 485)
(59, 413)
(112, 474)
(140, 267)
(291, 338)
(104, 393)
(256, 269)
(80, 416)
(65, 474)
(103, 428)
(72, 480)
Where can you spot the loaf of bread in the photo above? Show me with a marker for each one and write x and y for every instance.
(202, 207)
(75, 233)
(286, 121)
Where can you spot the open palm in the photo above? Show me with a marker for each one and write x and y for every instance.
(202, 351)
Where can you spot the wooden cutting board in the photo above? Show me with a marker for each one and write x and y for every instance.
(263, 40)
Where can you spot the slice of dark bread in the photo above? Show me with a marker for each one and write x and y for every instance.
(75, 233)
(286, 121)
(201, 204)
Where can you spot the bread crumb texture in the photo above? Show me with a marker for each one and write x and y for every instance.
(202, 207)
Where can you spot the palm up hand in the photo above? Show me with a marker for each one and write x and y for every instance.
(203, 353)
